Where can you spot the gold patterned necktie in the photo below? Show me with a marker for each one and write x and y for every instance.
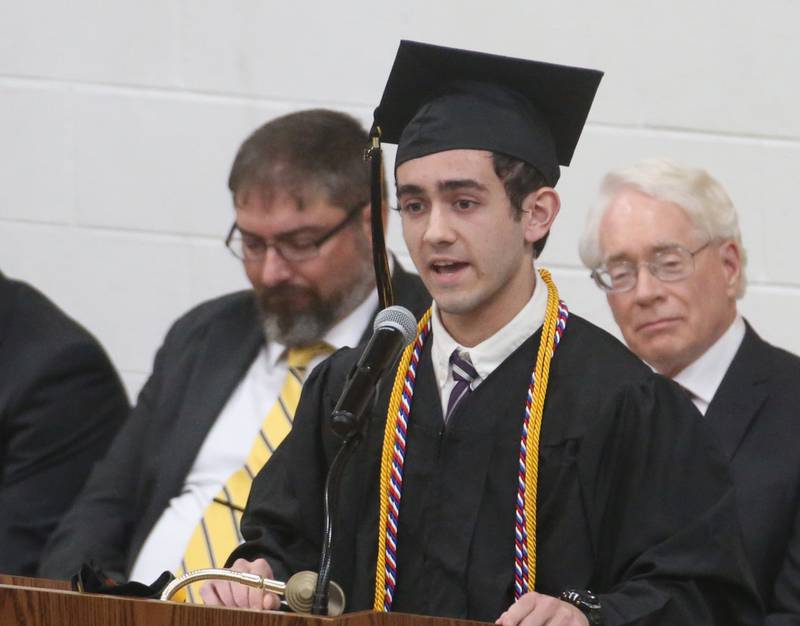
(217, 533)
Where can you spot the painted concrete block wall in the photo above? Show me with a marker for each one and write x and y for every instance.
(119, 121)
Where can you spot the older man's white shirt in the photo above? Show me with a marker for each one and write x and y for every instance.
(703, 377)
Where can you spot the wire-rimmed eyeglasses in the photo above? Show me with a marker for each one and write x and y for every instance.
(668, 264)
(294, 247)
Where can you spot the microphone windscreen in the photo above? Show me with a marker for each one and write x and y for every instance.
(399, 318)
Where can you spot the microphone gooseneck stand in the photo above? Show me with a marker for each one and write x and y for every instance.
(332, 485)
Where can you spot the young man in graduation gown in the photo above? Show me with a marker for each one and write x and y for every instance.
(544, 475)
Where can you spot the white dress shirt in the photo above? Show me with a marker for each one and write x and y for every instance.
(228, 444)
(490, 353)
(703, 377)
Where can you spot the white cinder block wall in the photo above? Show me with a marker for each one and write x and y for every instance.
(119, 121)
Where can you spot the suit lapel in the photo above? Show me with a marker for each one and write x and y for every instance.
(230, 347)
(741, 394)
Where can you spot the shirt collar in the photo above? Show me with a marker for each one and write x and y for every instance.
(702, 377)
(491, 352)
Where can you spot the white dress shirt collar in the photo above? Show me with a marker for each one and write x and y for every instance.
(491, 352)
(703, 377)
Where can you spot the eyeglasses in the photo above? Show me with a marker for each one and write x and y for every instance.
(296, 247)
(667, 265)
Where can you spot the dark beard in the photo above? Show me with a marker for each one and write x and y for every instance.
(298, 316)
(295, 316)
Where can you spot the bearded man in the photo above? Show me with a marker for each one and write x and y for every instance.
(221, 397)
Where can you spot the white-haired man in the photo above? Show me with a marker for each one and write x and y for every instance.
(663, 242)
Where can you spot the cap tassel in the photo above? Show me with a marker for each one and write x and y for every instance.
(380, 261)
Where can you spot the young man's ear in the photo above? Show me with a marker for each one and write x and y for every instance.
(539, 211)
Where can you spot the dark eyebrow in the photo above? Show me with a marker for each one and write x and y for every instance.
(407, 190)
(444, 185)
(462, 183)
(243, 231)
(303, 230)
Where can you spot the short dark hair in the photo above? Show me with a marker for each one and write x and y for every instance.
(519, 179)
(312, 153)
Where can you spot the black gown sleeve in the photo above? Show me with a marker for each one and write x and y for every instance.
(663, 515)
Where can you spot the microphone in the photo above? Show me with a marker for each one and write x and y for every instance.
(394, 328)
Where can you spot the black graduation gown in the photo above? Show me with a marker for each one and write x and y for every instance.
(634, 499)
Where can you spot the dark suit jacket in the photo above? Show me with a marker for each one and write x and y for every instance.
(200, 363)
(61, 402)
(756, 414)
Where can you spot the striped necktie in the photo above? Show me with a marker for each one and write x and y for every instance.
(463, 375)
(217, 533)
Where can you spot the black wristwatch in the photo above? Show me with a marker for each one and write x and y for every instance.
(586, 602)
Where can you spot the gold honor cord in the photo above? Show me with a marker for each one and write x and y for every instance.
(538, 393)
(386, 460)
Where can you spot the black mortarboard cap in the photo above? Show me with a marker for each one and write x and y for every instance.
(440, 98)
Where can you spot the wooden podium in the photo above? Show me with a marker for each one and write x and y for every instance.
(38, 602)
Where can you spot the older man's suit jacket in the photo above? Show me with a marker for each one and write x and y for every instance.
(756, 414)
(202, 360)
(61, 402)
